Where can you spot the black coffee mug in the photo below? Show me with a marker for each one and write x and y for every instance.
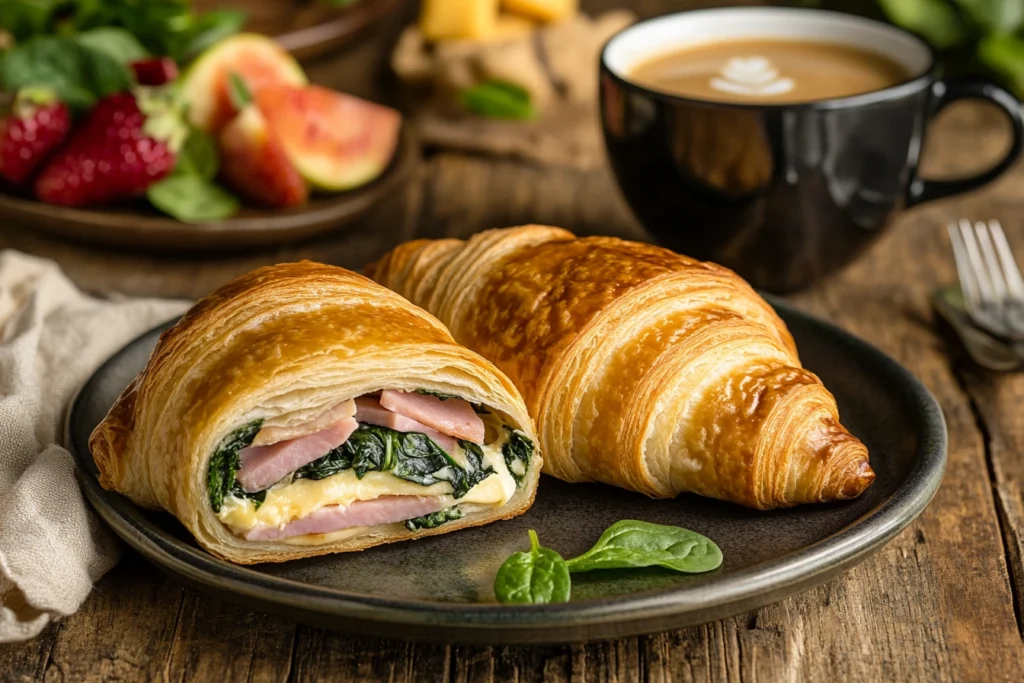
(782, 194)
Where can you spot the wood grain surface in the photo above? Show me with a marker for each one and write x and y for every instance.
(942, 602)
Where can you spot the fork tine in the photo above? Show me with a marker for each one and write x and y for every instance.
(968, 286)
(976, 262)
(996, 276)
(1014, 281)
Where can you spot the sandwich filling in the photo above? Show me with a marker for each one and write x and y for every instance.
(415, 458)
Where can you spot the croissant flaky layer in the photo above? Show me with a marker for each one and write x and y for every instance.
(282, 345)
(642, 368)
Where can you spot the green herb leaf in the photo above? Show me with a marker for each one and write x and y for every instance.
(632, 543)
(517, 451)
(78, 74)
(498, 99)
(934, 20)
(26, 18)
(198, 156)
(224, 466)
(534, 577)
(209, 28)
(238, 91)
(192, 199)
(1005, 55)
(116, 43)
(434, 520)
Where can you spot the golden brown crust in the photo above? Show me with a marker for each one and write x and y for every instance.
(284, 338)
(643, 368)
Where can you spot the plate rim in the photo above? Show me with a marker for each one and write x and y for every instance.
(623, 615)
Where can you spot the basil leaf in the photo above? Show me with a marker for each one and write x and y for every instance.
(517, 451)
(498, 99)
(534, 577)
(224, 466)
(114, 42)
(192, 199)
(632, 543)
(434, 520)
(198, 156)
(78, 74)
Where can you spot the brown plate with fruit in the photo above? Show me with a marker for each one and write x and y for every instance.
(138, 225)
(235, 148)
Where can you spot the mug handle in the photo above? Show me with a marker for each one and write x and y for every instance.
(922, 190)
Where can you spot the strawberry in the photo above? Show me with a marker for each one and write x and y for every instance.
(128, 142)
(252, 160)
(37, 124)
(154, 70)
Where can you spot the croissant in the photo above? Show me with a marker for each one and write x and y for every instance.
(303, 409)
(642, 368)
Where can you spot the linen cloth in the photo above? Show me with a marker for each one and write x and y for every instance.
(52, 337)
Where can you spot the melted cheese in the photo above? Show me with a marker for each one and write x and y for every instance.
(296, 499)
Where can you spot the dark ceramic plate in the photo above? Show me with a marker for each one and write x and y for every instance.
(141, 226)
(440, 588)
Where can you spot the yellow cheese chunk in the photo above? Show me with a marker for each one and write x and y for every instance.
(542, 10)
(453, 19)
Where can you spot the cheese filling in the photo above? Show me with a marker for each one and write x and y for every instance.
(293, 499)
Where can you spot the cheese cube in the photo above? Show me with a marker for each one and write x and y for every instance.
(542, 10)
(448, 19)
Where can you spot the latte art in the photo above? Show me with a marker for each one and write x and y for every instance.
(768, 71)
(751, 76)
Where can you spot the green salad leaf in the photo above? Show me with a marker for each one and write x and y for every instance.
(631, 543)
(224, 466)
(536, 576)
(116, 43)
(198, 156)
(432, 521)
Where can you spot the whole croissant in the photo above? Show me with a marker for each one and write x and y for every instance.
(642, 368)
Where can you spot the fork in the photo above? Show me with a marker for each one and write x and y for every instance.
(990, 279)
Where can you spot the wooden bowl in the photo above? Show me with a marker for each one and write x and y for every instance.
(307, 28)
(140, 226)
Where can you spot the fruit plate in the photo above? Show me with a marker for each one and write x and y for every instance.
(440, 588)
(308, 28)
(141, 226)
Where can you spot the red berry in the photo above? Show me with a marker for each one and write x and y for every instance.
(111, 157)
(35, 127)
(254, 163)
(155, 71)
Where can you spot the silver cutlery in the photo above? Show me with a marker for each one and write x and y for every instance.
(991, 282)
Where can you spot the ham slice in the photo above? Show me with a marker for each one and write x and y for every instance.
(263, 466)
(369, 410)
(269, 435)
(452, 416)
(385, 510)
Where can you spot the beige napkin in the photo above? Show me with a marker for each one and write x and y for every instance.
(52, 337)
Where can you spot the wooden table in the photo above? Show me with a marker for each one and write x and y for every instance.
(942, 602)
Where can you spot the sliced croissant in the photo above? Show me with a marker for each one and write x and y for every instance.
(642, 368)
(266, 369)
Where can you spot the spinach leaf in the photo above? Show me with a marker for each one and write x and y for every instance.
(432, 521)
(411, 456)
(498, 99)
(537, 576)
(192, 199)
(517, 451)
(631, 543)
(224, 465)
(438, 394)
(78, 74)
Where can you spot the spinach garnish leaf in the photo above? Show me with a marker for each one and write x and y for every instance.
(434, 520)
(224, 466)
(518, 451)
(411, 456)
(536, 576)
(631, 543)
